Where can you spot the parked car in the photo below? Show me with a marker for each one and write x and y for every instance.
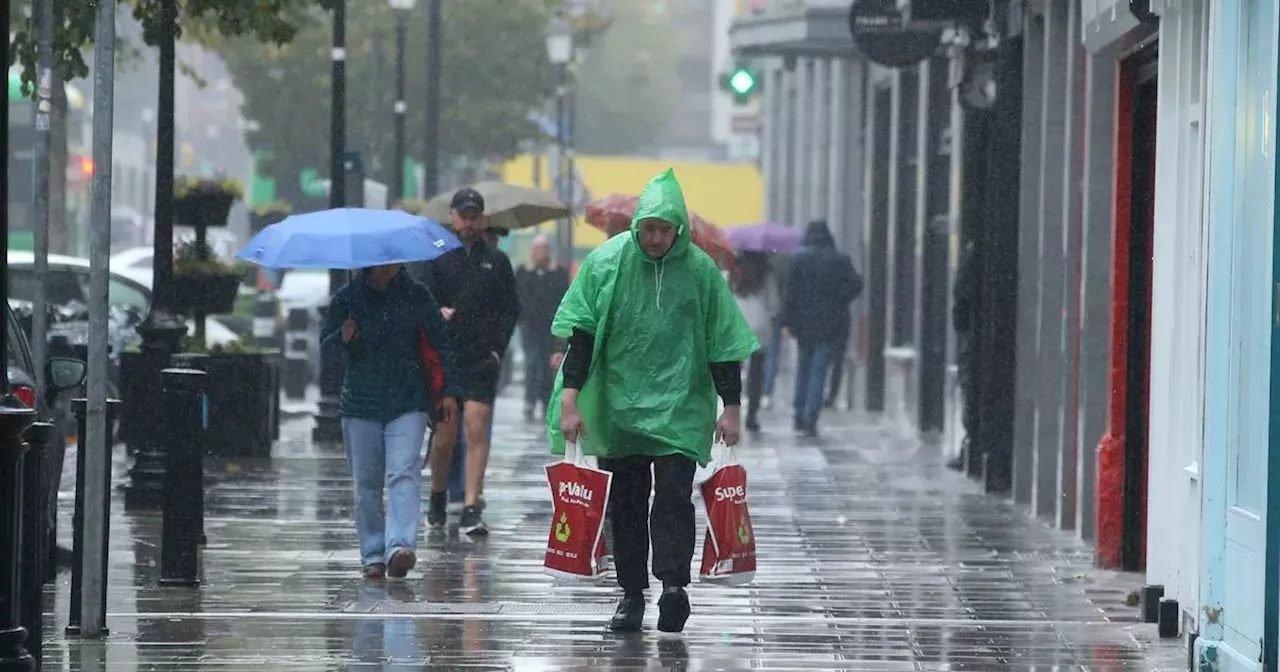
(68, 284)
(60, 374)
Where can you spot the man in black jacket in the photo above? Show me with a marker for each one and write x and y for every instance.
(541, 285)
(820, 286)
(476, 290)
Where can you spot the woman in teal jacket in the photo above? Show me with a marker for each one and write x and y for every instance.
(377, 320)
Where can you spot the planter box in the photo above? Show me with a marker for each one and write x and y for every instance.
(259, 222)
(244, 399)
(198, 209)
(206, 293)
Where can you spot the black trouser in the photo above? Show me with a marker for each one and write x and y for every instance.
(671, 524)
(537, 367)
(755, 384)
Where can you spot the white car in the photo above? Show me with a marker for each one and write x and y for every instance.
(68, 282)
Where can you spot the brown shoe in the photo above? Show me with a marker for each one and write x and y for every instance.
(402, 561)
(375, 571)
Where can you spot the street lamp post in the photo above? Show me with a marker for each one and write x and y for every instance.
(328, 427)
(560, 53)
(402, 7)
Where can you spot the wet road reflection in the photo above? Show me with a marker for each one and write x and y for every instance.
(873, 556)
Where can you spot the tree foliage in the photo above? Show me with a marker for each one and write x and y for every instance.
(494, 72)
(627, 82)
(273, 21)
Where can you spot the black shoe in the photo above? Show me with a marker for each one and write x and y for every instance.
(753, 425)
(630, 614)
(528, 414)
(471, 522)
(437, 513)
(810, 431)
(673, 609)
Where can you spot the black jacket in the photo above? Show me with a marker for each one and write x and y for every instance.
(478, 283)
(541, 290)
(821, 284)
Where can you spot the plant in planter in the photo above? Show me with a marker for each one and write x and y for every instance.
(204, 202)
(268, 214)
(204, 286)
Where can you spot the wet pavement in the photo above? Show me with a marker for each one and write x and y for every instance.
(873, 556)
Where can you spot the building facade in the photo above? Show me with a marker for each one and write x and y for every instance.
(1240, 543)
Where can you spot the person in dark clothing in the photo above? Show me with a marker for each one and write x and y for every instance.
(779, 268)
(541, 286)
(821, 285)
(757, 294)
(377, 321)
(964, 305)
(654, 336)
(475, 287)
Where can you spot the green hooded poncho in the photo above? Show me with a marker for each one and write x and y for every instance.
(658, 326)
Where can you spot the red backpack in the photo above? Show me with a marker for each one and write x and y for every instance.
(432, 370)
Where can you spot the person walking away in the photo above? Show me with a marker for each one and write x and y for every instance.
(654, 335)
(377, 320)
(475, 287)
(541, 286)
(780, 267)
(757, 295)
(820, 286)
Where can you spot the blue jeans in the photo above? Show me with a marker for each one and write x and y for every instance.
(386, 456)
(773, 353)
(811, 381)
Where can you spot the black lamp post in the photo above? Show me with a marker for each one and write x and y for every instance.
(560, 53)
(328, 425)
(163, 329)
(402, 7)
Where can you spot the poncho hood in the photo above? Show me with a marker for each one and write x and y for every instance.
(662, 198)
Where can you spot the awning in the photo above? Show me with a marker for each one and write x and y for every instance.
(811, 31)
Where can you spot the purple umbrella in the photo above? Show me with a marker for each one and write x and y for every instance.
(764, 238)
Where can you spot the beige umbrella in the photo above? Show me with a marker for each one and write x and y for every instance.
(506, 206)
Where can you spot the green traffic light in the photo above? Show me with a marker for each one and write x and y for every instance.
(742, 82)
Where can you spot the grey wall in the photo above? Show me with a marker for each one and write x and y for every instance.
(1097, 207)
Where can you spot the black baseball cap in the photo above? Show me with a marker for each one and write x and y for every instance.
(467, 198)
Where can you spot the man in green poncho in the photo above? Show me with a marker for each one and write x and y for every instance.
(654, 334)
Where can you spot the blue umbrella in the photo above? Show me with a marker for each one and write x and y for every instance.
(349, 238)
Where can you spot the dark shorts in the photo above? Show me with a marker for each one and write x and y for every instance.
(480, 380)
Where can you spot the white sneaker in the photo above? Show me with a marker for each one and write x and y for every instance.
(766, 402)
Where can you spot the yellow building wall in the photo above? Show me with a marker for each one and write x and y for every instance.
(725, 194)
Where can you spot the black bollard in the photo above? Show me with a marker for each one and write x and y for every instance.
(197, 362)
(40, 437)
(80, 406)
(14, 420)
(184, 477)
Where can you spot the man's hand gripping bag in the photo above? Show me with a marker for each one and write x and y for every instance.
(580, 494)
(729, 548)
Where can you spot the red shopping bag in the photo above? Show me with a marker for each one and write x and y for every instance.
(580, 494)
(729, 548)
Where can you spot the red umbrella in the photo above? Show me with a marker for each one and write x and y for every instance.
(612, 214)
